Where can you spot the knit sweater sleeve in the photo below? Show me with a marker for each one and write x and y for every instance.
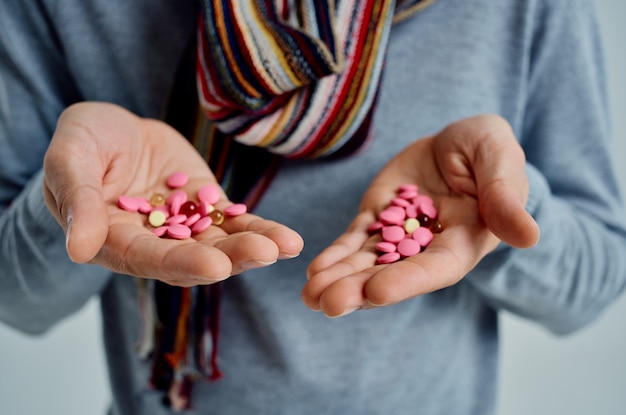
(578, 267)
(39, 285)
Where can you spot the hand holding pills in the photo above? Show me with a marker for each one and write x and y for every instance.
(102, 158)
(474, 171)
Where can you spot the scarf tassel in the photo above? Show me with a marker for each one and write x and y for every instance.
(179, 317)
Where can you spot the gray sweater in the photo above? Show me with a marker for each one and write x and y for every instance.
(538, 63)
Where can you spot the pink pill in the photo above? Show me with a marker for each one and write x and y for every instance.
(128, 203)
(160, 231)
(235, 209)
(409, 247)
(393, 215)
(143, 205)
(375, 227)
(179, 231)
(385, 247)
(176, 219)
(176, 201)
(192, 219)
(178, 179)
(388, 258)
(423, 236)
(177, 194)
(398, 201)
(393, 234)
(209, 194)
(204, 208)
(201, 225)
(407, 194)
(411, 211)
(428, 210)
(407, 187)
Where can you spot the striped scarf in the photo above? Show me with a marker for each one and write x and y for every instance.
(275, 78)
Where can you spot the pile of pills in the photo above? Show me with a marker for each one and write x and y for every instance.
(407, 225)
(175, 215)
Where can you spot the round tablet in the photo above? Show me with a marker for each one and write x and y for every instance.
(410, 225)
(393, 215)
(201, 225)
(192, 219)
(176, 219)
(393, 234)
(407, 187)
(235, 209)
(388, 258)
(160, 231)
(143, 205)
(409, 247)
(178, 179)
(209, 193)
(422, 235)
(157, 218)
(179, 231)
(128, 203)
(375, 227)
(385, 247)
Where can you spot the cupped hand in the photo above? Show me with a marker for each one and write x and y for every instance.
(474, 170)
(100, 151)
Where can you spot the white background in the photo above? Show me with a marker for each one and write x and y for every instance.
(63, 372)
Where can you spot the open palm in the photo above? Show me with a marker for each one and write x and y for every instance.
(101, 151)
(474, 172)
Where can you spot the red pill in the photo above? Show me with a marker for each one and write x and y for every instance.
(189, 208)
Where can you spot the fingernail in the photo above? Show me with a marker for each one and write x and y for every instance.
(68, 232)
(252, 264)
(345, 313)
(288, 256)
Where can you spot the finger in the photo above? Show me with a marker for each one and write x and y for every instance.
(288, 241)
(506, 216)
(319, 283)
(348, 243)
(131, 249)
(347, 295)
(446, 261)
(78, 205)
(502, 188)
(248, 251)
(482, 158)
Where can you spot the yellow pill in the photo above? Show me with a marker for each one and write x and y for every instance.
(156, 218)
(410, 225)
(217, 216)
(157, 199)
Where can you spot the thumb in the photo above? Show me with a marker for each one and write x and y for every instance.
(80, 210)
(506, 217)
(73, 191)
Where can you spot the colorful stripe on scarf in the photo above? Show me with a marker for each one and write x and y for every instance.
(297, 78)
